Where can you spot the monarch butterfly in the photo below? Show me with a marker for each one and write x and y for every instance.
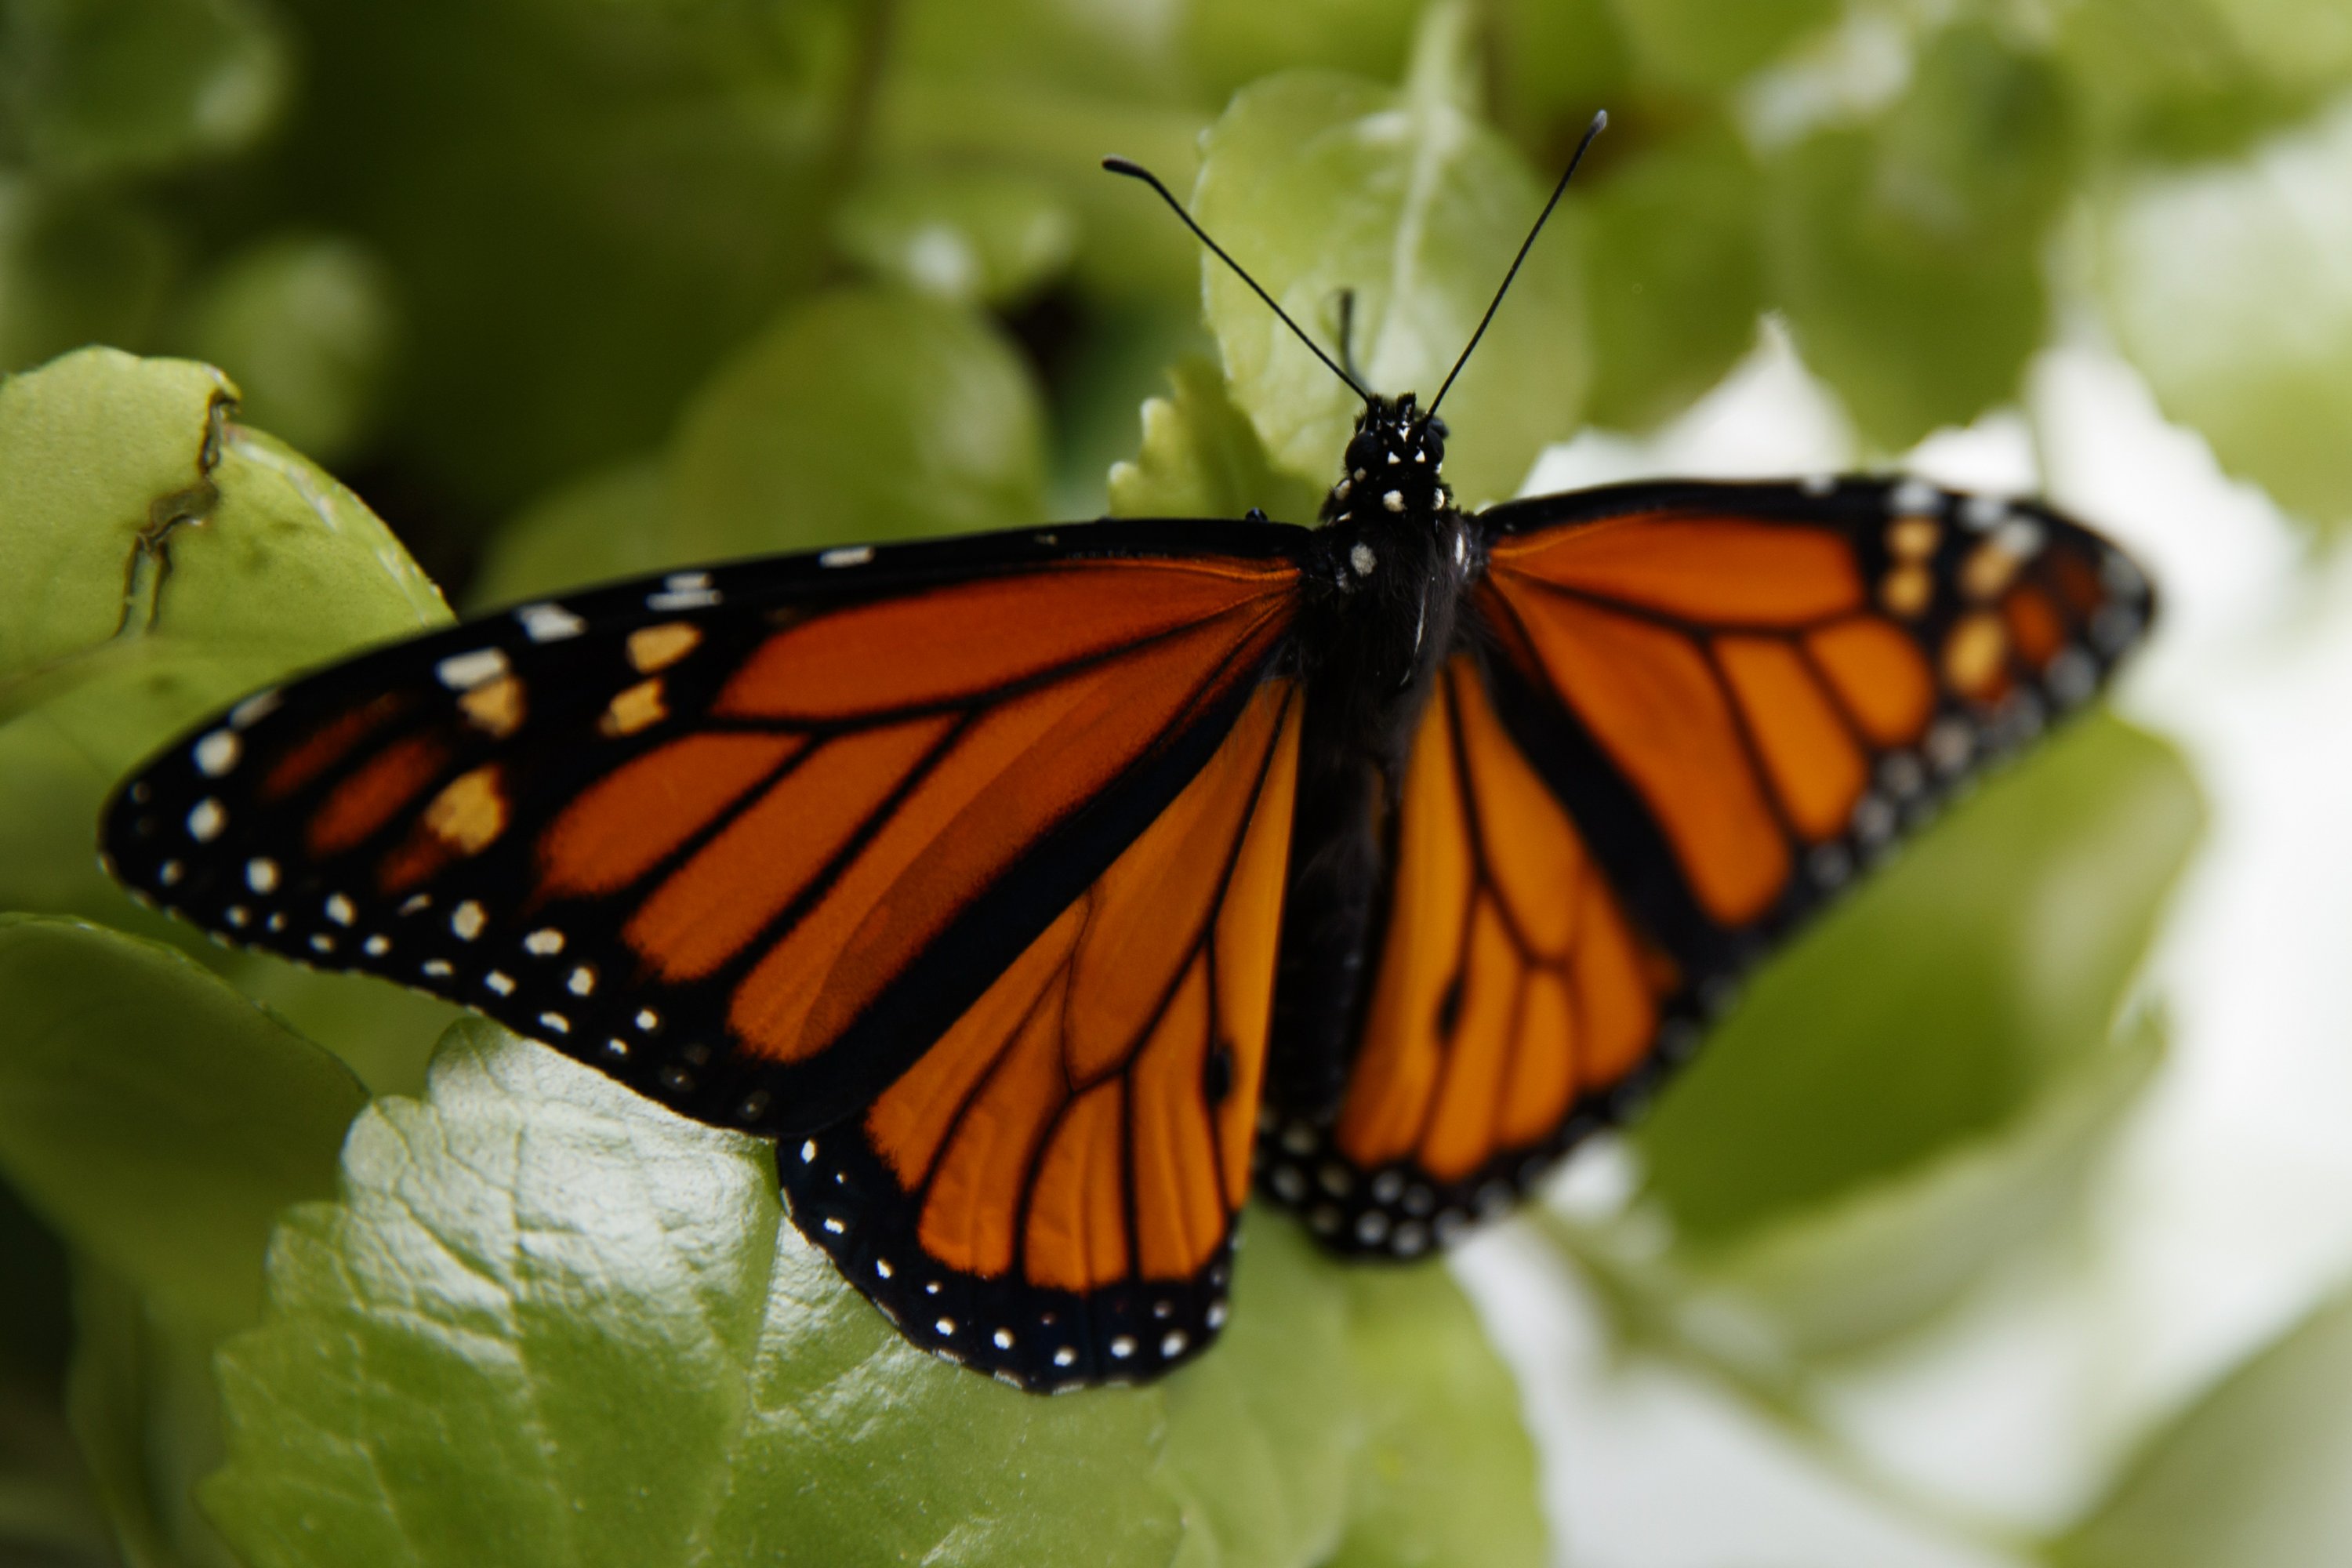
(1043, 892)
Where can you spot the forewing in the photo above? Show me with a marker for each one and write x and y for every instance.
(1747, 692)
(748, 839)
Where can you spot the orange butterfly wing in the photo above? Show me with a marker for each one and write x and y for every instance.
(960, 862)
(1686, 715)
(1511, 989)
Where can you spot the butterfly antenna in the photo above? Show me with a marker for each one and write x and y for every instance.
(1599, 123)
(1347, 331)
(1135, 171)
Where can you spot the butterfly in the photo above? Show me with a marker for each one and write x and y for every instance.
(1044, 893)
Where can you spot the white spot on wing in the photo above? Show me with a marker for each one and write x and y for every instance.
(684, 591)
(206, 820)
(464, 671)
(1914, 498)
(853, 556)
(1979, 513)
(340, 911)
(216, 753)
(2020, 536)
(260, 705)
(261, 875)
(543, 943)
(466, 919)
(549, 623)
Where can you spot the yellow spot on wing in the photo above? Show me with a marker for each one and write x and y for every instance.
(495, 706)
(1907, 590)
(1988, 571)
(1913, 538)
(659, 648)
(1974, 653)
(634, 709)
(470, 812)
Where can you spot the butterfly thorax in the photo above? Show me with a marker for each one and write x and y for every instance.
(1388, 566)
(1385, 583)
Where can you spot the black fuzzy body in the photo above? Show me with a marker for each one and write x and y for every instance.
(1384, 580)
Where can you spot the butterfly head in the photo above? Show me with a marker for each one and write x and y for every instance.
(1393, 465)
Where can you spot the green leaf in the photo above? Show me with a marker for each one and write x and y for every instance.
(35, 1313)
(146, 1420)
(549, 1322)
(1231, 43)
(1937, 1003)
(2252, 1474)
(1552, 63)
(1676, 273)
(49, 1517)
(2300, 43)
(2172, 78)
(384, 1033)
(1697, 44)
(76, 266)
(584, 207)
(609, 523)
(111, 469)
(305, 324)
(1446, 1473)
(2229, 285)
(968, 236)
(156, 1118)
(123, 85)
(1909, 256)
(1320, 184)
(1130, 256)
(1201, 458)
(157, 549)
(1886, 1253)
(103, 452)
(860, 416)
(47, 1512)
(1123, 361)
(157, 560)
(160, 1122)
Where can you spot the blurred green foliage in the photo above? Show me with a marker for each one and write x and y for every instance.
(571, 291)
